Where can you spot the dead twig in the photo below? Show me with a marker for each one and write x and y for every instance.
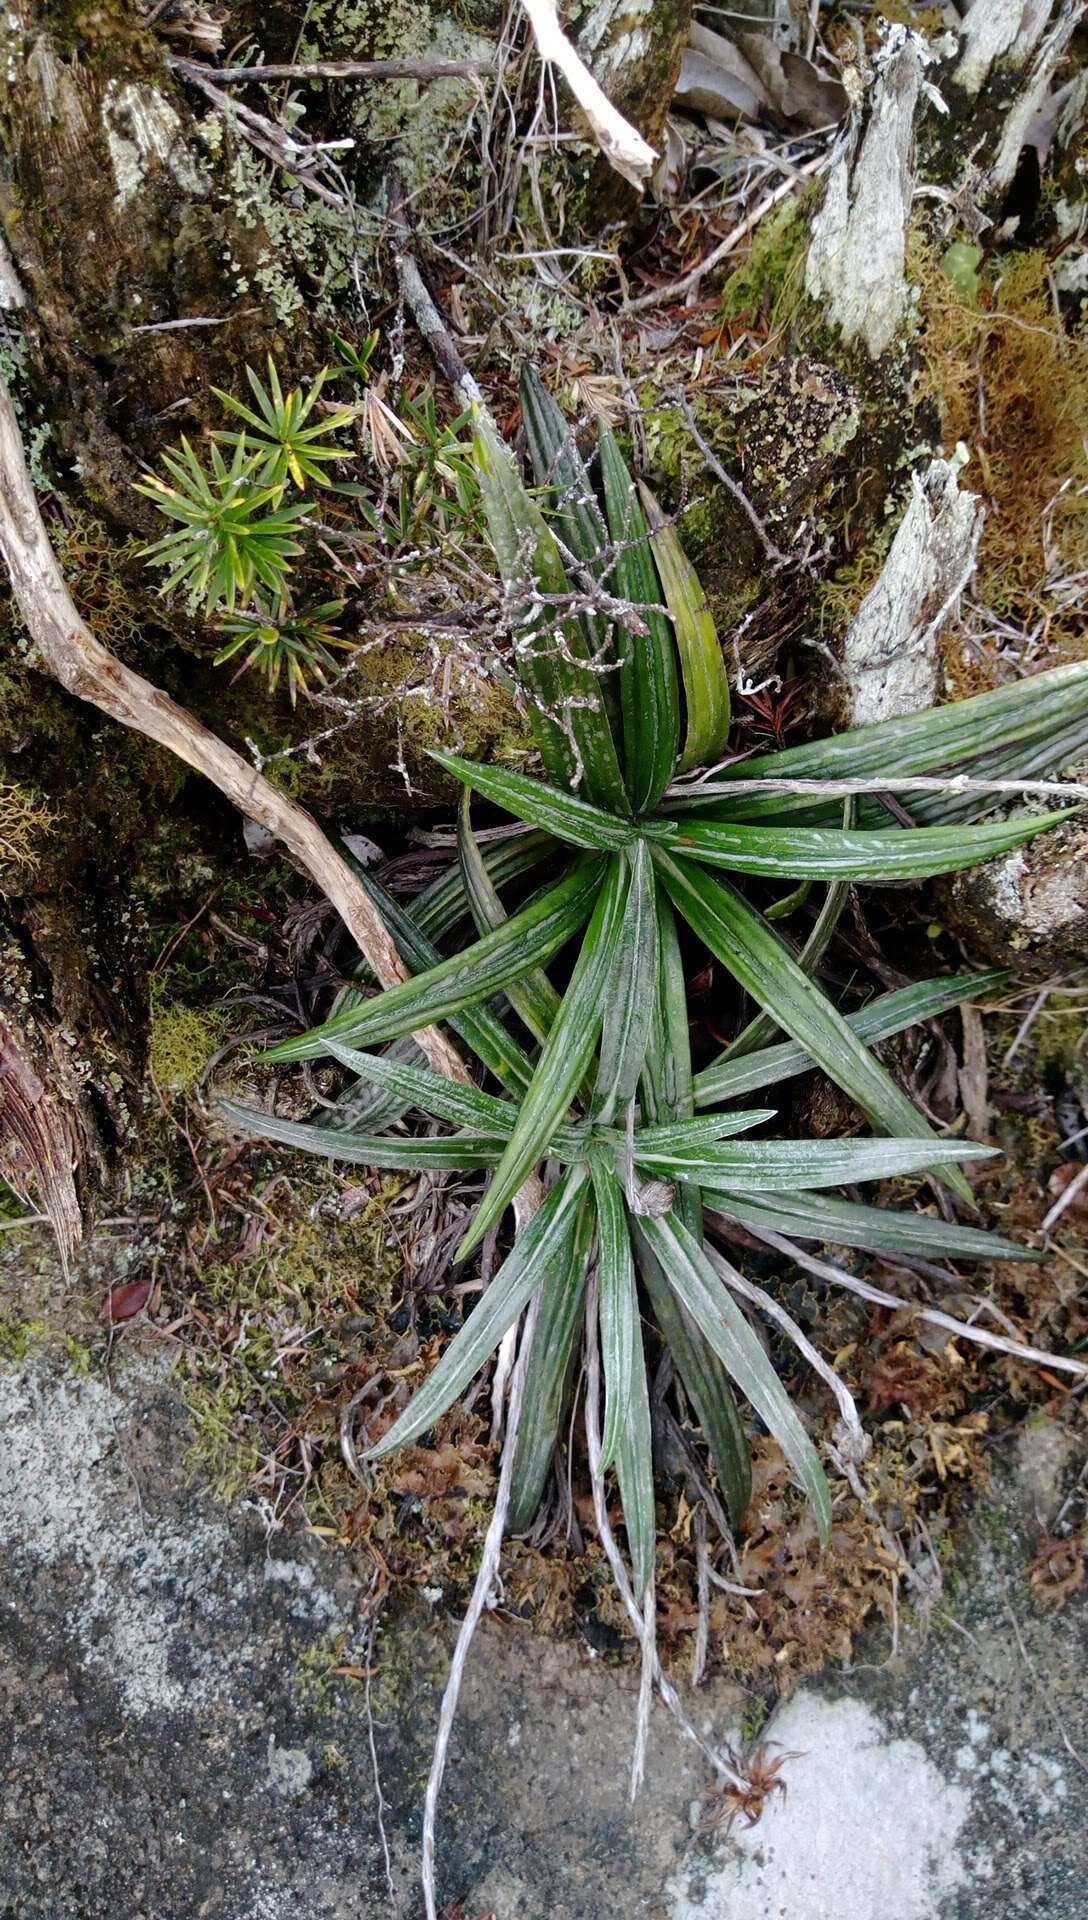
(622, 145)
(960, 1329)
(339, 70)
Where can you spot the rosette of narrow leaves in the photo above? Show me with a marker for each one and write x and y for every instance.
(282, 642)
(288, 443)
(593, 1079)
(232, 536)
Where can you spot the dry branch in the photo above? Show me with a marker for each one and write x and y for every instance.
(70, 652)
(621, 143)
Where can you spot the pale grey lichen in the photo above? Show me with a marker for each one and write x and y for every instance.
(144, 132)
(890, 655)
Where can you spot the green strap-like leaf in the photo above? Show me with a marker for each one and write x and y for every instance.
(667, 1100)
(684, 1136)
(819, 1217)
(578, 522)
(618, 1308)
(635, 1472)
(429, 1092)
(478, 1027)
(526, 550)
(649, 690)
(767, 970)
(565, 815)
(706, 684)
(564, 1056)
(706, 1385)
(1002, 721)
(827, 853)
(890, 1013)
(445, 903)
(453, 1153)
(629, 1003)
(716, 1313)
(560, 1318)
(511, 1289)
(765, 1166)
(533, 996)
(525, 941)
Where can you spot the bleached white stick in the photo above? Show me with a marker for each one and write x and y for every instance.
(622, 145)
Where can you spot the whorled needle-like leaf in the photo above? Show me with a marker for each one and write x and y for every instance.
(717, 1315)
(521, 1273)
(706, 684)
(563, 1058)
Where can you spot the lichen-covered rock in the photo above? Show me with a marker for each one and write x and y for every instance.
(1027, 910)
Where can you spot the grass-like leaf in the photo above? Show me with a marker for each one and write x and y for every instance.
(827, 853)
(525, 941)
(706, 684)
(767, 1166)
(565, 815)
(521, 1273)
(883, 1229)
(667, 1099)
(629, 1004)
(764, 966)
(533, 996)
(565, 1055)
(649, 689)
(716, 1313)
(551, 1363)
(579, 523)
(527, 553)
(1005, 723)
(618, 1308)
(478, 1027)
(889, 1013)
(453, 1153)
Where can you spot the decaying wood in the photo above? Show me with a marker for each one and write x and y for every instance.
(994, 29)
(857, 256)
(1018, 122)
(622, 145)
(41, 1142)
(890, 656)
(69, 651)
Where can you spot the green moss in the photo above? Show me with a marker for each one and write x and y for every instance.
(770, 283)
(20, 1338)
(182, 1042)
(26, 821)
